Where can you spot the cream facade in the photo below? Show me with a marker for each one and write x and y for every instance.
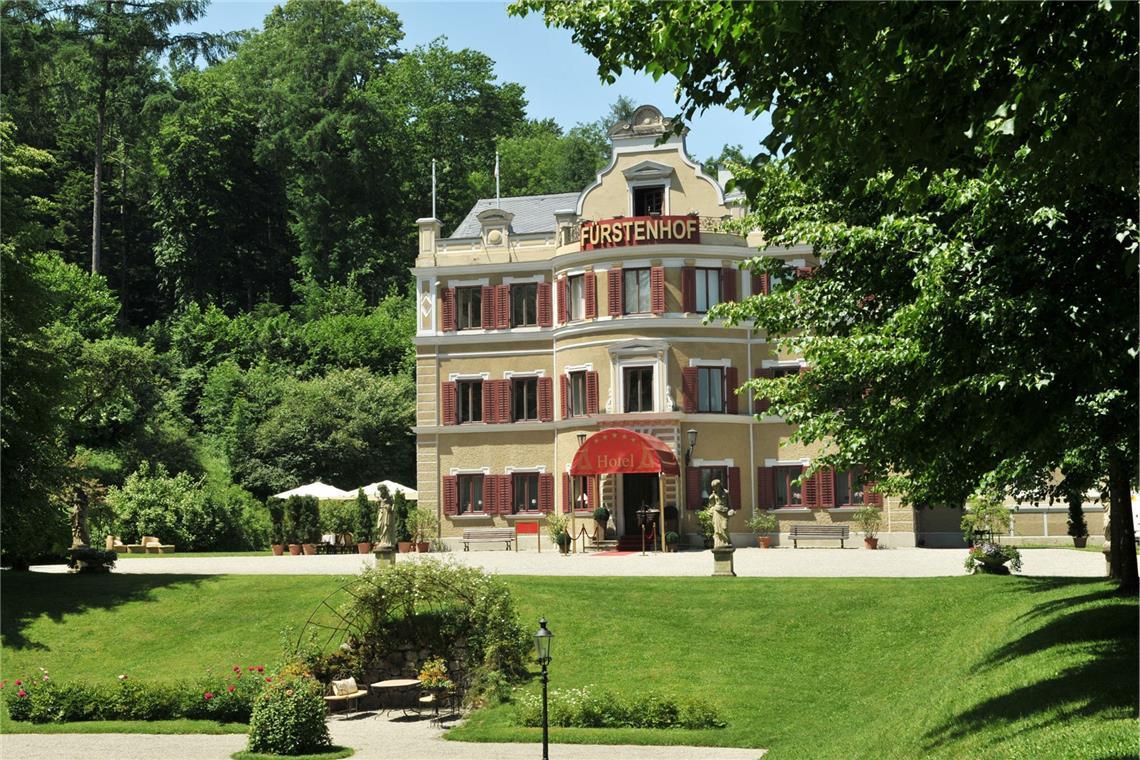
(544, 318)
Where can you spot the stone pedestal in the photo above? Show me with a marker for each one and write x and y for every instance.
(722, 561)
(385, 555)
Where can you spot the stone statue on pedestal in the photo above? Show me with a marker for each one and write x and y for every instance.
(79, 535)
(385, 524)
(719, 509)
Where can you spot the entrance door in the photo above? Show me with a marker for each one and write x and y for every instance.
(637, 491)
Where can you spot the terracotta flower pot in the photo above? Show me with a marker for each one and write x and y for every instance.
(278, 549)
(765, 542)
(871, 543)
(363, 547)
(309, 548)
(403, 546)
(423, 547)
(1080, 541)
(294, 549)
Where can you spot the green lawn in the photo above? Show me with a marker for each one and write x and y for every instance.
(813, 668)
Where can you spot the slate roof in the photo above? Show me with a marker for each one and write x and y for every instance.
(533, 213)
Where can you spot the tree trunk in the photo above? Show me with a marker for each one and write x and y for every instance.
(1122, 552)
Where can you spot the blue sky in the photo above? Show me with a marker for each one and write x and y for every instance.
(561, 80)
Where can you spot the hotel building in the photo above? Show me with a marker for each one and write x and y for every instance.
(543, 321)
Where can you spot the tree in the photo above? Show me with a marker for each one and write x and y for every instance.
(974, 323)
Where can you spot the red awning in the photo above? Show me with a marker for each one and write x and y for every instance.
(620, 450)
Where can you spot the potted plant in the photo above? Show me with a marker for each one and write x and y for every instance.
(311, 531)
(869, 520)
(705, 520)
(672, 538)
(601, 519)
(276, 526)
(401, 514)
(556, 529)
(423, 525)
(363, 523)
(1078, 529)
(295, 507)
(991, 558)
(763, 525)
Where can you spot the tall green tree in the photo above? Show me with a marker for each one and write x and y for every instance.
(969, 173)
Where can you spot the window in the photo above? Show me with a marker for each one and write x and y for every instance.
(708, 475)
(470, 493)
(524, 398)
(469, 307)
(577, 394)
(524, 304)
(710, 389)
(708, 289)
(636, 286)
(526, 492)
(787, 489)
(648, 201)
(638, 389)
(849, 487)
(577, 292)
(470, 406)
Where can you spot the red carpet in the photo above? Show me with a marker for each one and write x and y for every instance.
(612, 554)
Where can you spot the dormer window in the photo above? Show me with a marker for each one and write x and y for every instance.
(648, 201)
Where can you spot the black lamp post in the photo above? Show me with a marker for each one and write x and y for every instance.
(542, 641)
(581, 438)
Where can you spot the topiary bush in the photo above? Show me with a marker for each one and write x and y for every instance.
(289, 717)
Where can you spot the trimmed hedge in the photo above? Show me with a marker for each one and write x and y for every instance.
(594, 708)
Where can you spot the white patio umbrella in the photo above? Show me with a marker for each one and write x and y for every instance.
(316, 488)
(372, 490)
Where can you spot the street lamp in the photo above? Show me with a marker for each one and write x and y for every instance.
(692, 433)
(542, 640)
(581, 438)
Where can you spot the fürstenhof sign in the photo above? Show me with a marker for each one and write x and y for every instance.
(640, 230)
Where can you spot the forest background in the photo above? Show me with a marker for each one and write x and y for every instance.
(206, 251)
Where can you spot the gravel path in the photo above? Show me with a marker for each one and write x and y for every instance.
(374, 737)
(750, 562)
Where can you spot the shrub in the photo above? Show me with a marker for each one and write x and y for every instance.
(869, 520)
(365, 516)
(989, 557)
(601, 514)
(985, 518)
(289, 718)
(590, 707)
(337, 517)
(311, 533)
(96, 560)
(400, 511)
(762, 522)
(295, 511)
(276, 509)
(1078, 528)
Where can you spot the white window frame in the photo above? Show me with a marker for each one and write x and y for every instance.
(653, 364)
(665, 182)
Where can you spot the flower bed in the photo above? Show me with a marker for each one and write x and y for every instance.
(225, 698)
(594, 708)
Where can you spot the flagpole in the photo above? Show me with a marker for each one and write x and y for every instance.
(497, 204)
(433, 216)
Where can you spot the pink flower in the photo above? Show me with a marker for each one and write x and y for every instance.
(19, 682)
(288, 692)
(237, 668)
(251, 668)
(209, 695)
(21, 693)
(230, 689)
(269, 679)
(3, 683)
(46, 677)
(260, 668)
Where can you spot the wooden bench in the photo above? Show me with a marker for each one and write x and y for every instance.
(841, 532)
(345, 693)
(487, 535)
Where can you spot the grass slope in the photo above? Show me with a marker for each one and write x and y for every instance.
(810, 668)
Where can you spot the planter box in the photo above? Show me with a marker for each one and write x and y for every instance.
(294, 549)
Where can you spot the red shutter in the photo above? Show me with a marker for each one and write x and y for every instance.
(489, 494)
(591, 393)
(506, 494)
(503, 306)
(592, 491)
(614, 292)
(689, 289)
(689, 389)
(564, 386)
(565, 492)
(728, 278)
(871, 497)
(809, 491)
(450, 412)
(760, 404)
(765, 488)
(734, 487)
(563, 306)
(503, 401)
(545, 311)
(764, 287)
(546, 492)
(450, 495)
(490, 401)
(693, 488)
(657, 289)
(827, 487)
(731, 383)
(487, 307)
(448, 307)
(804, 272)
(591, 295)
(545, 399)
